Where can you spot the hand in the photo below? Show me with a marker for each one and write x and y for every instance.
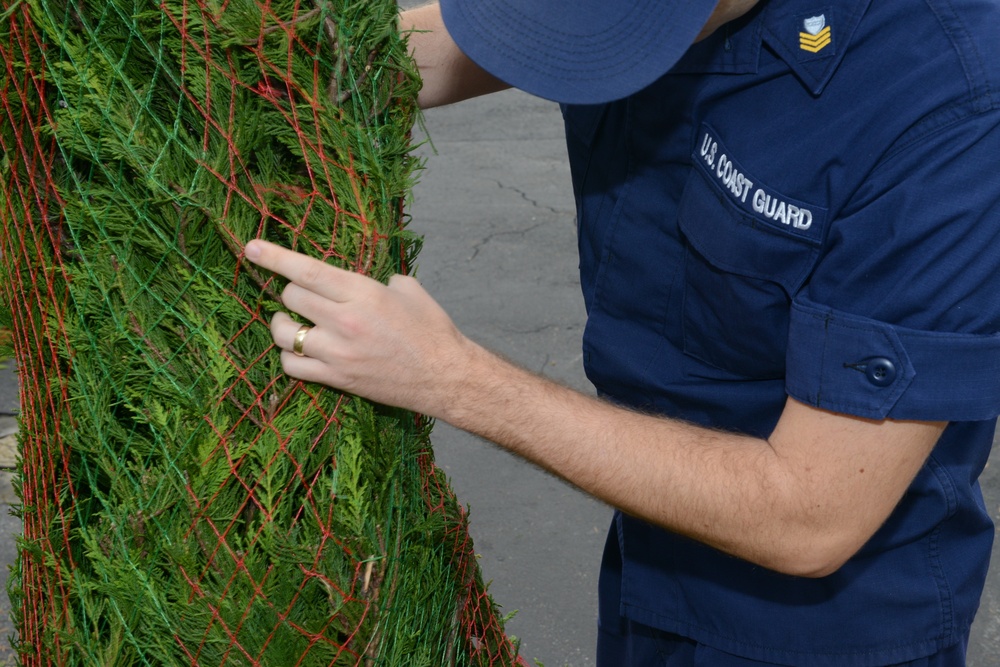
(392, 343)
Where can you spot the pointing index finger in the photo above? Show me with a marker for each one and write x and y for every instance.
(312, 274)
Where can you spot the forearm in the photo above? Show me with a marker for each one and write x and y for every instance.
(796, 503)
(722, 489)
(448, 75)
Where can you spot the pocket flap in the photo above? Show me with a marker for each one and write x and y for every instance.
(744, 226)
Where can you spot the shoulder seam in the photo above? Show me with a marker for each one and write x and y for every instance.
(936, 122)
(966, 51)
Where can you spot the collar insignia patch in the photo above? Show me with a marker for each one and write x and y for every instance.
(817, 35)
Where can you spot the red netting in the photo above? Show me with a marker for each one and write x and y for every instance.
(183, 501)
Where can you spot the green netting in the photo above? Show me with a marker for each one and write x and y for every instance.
(184, 502)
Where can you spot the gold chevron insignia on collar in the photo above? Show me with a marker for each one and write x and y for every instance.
(817, 35)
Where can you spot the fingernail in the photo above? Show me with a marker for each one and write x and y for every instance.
(252, 251)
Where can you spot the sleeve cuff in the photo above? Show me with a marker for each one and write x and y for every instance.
(859, 366)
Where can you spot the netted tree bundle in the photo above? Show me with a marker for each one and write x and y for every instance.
(183, 501)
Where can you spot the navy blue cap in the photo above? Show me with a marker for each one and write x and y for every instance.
(576, 51)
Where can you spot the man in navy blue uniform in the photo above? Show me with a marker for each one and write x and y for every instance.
(789, 230)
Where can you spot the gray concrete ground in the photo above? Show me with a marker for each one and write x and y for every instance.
(9, 526)
(495, 207)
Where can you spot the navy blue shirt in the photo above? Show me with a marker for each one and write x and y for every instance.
(808, 204)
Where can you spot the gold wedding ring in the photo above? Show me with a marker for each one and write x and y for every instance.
(300, 338)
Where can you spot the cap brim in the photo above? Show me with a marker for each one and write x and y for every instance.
(579, 52)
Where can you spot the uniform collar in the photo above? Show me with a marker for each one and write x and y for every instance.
(811, 36)
(732, 49)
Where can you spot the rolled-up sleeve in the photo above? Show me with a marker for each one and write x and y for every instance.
(901, 317)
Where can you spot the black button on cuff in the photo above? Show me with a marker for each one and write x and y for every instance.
(880, 371)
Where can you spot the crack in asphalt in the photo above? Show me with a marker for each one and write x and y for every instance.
(524, 195)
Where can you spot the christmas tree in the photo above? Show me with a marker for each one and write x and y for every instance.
(183, 501)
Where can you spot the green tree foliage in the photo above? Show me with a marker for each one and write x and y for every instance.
(184, 502)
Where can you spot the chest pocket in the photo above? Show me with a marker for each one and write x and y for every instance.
(741, 273)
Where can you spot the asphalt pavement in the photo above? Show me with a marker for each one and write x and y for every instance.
(495, 206)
